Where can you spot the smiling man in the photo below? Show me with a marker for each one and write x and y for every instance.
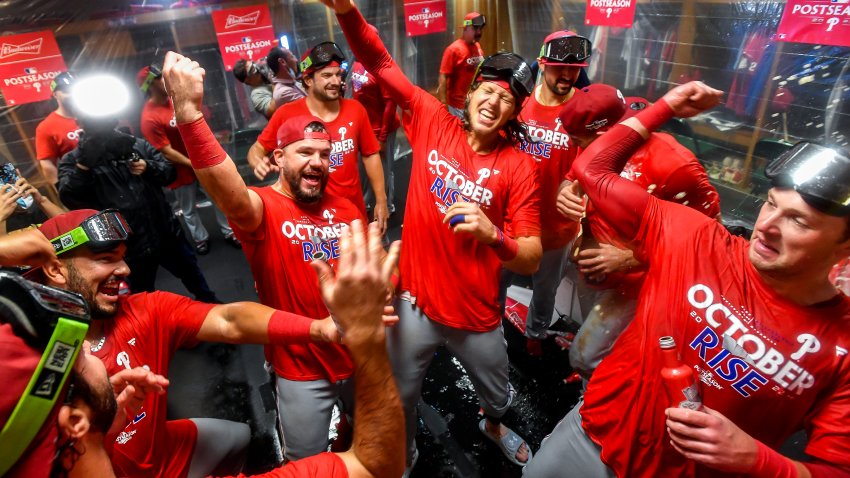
(346, 120)
(757, 321)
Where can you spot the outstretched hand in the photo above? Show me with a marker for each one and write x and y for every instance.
(184, 82)
(356, 293)
(692, 98)
(339, 7)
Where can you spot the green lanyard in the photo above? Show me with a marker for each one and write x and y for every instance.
(41, 393)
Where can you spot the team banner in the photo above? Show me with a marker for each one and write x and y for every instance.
(28, 63)
(823, 22)
(610, 13)
(422, 18)
(244, 32)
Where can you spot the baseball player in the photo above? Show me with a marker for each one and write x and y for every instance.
(460, 60)
(58, 133)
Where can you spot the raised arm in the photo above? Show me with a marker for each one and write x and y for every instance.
(368, 48)
(184, 81)
(619, 201)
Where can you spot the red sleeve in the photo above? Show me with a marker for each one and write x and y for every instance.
(689, 186)
(181, 315)
(447, 64)
(828, 427)
(154, 132)
(268, 138)
(523, 211)
(367, 141)
(323, 465)
(664, 227)
(368, 48)
(45, 147)
(388, 119)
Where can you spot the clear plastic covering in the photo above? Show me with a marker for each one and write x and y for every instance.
(776, 92)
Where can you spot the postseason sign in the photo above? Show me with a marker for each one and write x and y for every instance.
(823, 22)
(244, 32)
(610, 13)
(28, 63)
(422, 18)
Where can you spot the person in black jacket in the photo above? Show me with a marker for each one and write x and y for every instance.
(112, 169)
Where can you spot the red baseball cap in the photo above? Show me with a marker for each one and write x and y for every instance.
(65, 222)
(293, 130)
(634, 105)
(470, 20)
(19, 362)
(593, 108)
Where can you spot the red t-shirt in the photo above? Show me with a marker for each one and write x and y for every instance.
(280, 252)
(670, 172)
(323, 465)
(159, 126)
(351, 132)
(700, 287)
(146, 332)
(460, 60)
(455, 278)
(55, 136)
(380, 108)
(553, 157)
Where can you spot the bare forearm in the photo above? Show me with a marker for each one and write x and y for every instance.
(256, 154)
(379, 424)
(527, 260)
(375, 173)
(252, 323)
(441, 88)
(49, 208)
(49, 171)
(175, 156)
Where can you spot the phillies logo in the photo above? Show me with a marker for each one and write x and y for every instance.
(29, 48)
(249, 19)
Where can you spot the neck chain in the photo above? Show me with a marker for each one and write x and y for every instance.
(96, 347)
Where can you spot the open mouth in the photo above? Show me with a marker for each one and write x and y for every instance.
(313, 179)
(110, 289)
(764, 249)
(486, 117)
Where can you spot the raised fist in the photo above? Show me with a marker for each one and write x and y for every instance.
(184, 82)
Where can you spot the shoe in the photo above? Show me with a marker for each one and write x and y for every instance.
(509, 444)
(231, 240)
(202, 247)
(409, 469)
(534, 347)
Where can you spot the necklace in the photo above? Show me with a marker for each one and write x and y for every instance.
(99, 345)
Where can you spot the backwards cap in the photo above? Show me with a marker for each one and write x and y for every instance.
(474, 19)
(293, 130)
(594, 108)
(65, 222)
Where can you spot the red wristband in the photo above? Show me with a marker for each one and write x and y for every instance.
(506, 247)
(770, 463)
(204, 150)
(656, 115)
(287, 328)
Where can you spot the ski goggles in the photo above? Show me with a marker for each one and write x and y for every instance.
(100, 232)
(320, 55)
(153, 73)
(46, 318)
(478, 21)
(509, 67)
(819, 173)
(571, 50)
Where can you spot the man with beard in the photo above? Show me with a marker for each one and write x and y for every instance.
(58, 133)
(283, 227)
(344, 119)
(460, 59)
(561, 60)
(146, 330)
(283, 66)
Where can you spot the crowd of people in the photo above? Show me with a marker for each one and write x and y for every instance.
(510, 175)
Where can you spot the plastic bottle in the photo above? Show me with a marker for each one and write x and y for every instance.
(679, 380)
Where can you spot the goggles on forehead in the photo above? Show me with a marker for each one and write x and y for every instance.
(46, 318)
(478, 21)
(568, 50)
(101, 232)
(153, 73)
(509, 67)
(322, 54)
(820, 174)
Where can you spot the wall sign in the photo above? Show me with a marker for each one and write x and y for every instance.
(422, 18)
(823, 22)
(244, 32)
(28, 63)
(611, 13)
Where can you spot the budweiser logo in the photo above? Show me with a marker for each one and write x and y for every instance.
(249, 19)
(29, 48)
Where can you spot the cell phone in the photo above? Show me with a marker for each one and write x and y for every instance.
(9, 176)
